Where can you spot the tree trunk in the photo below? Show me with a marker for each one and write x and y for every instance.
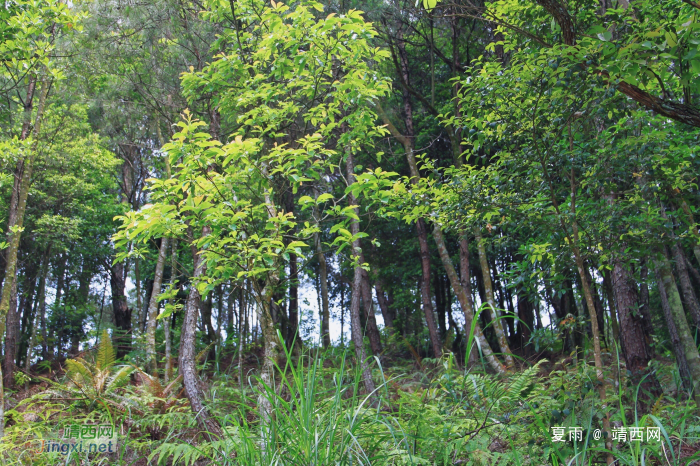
(142, 310)
(678, 351)
(186, 361)
(421, 229)
(440, 306)
(122, 312)
(491, 307)
(384, 306)
(25, 311)
(610, 292)
(168, 320)
(323, 276)
(465, 303)
(41, 307)
(644, 304)
(355, 326)
(293, 322)
(425, 286)
(229, 312)
(694, 229)
(526, 314)
(20, 191)
(466, 282)
(11, 339)
(687, 343)
(61, 266)
(153, 305)
(689, 298)
(636, 349)
(371, 329)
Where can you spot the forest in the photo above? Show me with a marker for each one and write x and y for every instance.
(342, 232)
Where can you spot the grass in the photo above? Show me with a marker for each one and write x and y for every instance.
(442, 414)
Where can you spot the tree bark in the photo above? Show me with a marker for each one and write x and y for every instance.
(122, 312)
(371, 329)
(141, 309)
(293, 322)
(323, 276)
(407, 141)
(168, 320)
(425, 285)
(491, 308)
(151, 358)
(465, 303)
(384, 306)
(636, 348)
(690, 299)
(678, 351)
(41, 306)
(355, 325)
(11, 339)
(20, 191)
(610, 292)
(186, 361)
(687, 343)
(440, 306)
(27, 308)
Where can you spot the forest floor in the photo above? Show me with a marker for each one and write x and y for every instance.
(431, 412)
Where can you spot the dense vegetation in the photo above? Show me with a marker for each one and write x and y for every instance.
(493, 204)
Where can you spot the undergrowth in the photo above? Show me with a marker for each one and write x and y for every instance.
(431, 412)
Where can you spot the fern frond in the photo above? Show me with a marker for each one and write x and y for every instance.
(80, 367)
(118, 379)
(105, 351)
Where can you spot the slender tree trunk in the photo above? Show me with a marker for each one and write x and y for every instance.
(425, 286)
(41, 306)
(689, 297)
(61, 266)
(323, 277)
(20, 190)
(694, 229)
(229, 312)
(421, 229)
(466, 282)
(168, 320)
(11, 339)
(371, 329)
(687, 343)
(676, 344)
(694, 272)
(599, 311)
(120, 307)
(186, 361)
(491, 308)
(387, 313)
(205, 307)
(272, 345)
(644, 303)
(610, 292)
(153, 308)
(342, 310)
(27, 308)
(440, 306)
(293, 322)
(40, 309)
(465, 302)
(241, 329)
(142, 310)
(357, 287)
